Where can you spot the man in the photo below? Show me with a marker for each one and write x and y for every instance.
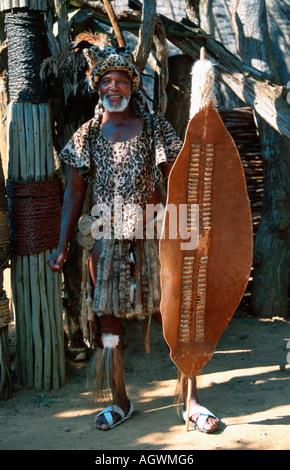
(123, 152)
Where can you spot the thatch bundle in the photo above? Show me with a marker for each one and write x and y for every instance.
(241, 125)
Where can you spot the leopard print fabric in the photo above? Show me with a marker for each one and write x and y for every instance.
(124, 174)
(115, 61)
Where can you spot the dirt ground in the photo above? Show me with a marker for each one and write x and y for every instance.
(246, 384)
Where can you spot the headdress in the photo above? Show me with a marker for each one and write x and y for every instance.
(109, 59)
(91, 56)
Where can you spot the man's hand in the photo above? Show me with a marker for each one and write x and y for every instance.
(71, 209)
(56, 260)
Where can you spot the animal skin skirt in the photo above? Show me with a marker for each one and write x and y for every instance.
(128, 279)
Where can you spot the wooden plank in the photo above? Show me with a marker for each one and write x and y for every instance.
(36, 327)
(42, 5)
(22, 140)
(27, 314)
(50, 164)
(29, 141)
(47, 349)
(28, 339)
(36, 142)
(18, 368)
(23, 3)
(33, 4)
(9, 154)
(52, 305)
(59, 325)
(7, 5)
(20, 318)
(42, 140)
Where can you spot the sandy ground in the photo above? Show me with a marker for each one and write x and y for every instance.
(246, 384)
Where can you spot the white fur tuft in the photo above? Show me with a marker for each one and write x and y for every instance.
(110, 341)
(202, 86)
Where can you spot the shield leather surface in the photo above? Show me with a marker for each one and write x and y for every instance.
(203, 285)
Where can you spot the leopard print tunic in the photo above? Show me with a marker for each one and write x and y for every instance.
(124, 174)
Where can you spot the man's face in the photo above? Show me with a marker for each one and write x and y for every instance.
(115, 90)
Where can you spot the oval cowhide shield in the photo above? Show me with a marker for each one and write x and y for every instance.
(203, 278)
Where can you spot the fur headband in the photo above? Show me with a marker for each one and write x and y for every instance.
(114, 61)
(102, 57)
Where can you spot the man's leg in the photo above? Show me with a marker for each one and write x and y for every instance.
(211, 422)
(105, 326)
(111, 326)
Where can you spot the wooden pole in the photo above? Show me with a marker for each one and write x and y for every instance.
(113, 19)
(40, 360)
(36, 292)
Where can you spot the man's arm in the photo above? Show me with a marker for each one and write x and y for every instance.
(166, 168)
(72, 206)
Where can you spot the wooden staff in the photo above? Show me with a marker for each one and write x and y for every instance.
(113, 19)
(189, 390)
(189, 381)
(202, 53)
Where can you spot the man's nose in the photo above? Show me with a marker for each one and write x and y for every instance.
(113, 85)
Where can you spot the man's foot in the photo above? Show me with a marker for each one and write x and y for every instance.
(202, 419)
(112, 416)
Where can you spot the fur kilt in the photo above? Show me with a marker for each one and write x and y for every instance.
(128, 279)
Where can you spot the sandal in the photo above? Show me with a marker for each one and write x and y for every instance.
(107, 413)
(204, 414)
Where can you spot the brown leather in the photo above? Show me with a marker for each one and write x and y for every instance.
(202, 287)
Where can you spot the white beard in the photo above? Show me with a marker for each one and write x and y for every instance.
(115, 109)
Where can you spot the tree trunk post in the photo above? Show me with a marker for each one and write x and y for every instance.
(34, 201)
(272, 242)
